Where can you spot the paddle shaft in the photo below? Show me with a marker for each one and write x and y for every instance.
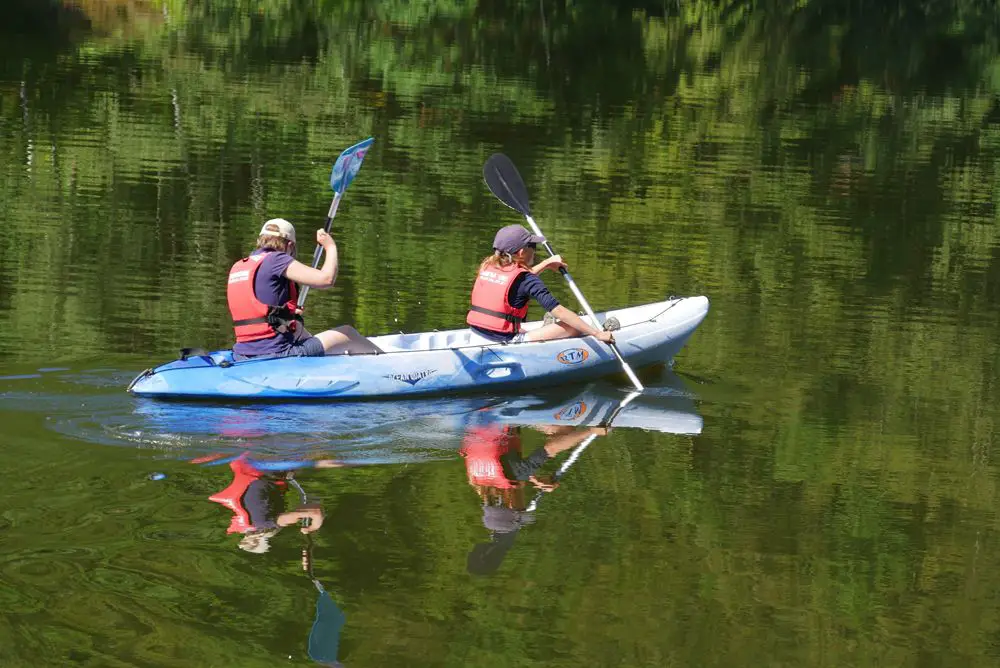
(319, 249)
(586, 307)
(307, 553)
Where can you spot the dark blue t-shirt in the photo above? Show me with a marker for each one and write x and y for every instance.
(524, 288)
(264, 500)
(271, 287)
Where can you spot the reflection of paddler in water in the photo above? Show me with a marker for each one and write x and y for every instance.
(505, 481)
(256, 496)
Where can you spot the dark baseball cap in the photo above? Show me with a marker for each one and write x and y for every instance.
(505, 520)
(513, 238)
(504, 525)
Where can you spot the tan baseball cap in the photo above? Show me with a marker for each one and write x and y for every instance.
(278, 227)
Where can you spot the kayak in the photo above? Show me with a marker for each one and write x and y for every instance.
(432, 362)
(435, 362)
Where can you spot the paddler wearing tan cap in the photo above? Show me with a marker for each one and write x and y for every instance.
(263, 291)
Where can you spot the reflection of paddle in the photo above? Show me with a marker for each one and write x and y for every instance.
(485, 558)
(324, 637)
(344, 170)
(578, 450)
(504, 181)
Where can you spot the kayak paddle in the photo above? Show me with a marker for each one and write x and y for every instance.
(344, 170)
(506, 184)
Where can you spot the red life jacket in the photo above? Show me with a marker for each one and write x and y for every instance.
(232, 497)
(482, 448)
(491, 309)
(254, 320)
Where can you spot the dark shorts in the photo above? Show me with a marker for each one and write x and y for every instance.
(311, 347)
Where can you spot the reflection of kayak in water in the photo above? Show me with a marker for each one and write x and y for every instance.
(361, 432)
(433, 362)
(592, 406)
(665, 409)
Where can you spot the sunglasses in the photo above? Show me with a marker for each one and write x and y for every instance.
(532, 246)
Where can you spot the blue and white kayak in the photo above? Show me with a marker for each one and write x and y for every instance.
(433, 362)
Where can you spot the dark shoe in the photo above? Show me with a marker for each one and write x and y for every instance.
(612, 324)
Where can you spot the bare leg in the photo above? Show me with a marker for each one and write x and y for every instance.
(558, 330)
(570, 439)
(346, 339)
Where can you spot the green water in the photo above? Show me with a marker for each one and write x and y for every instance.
(824, 171)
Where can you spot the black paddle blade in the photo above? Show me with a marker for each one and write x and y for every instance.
(506, 184)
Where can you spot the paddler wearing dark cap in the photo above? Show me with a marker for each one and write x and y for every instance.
(506, 283)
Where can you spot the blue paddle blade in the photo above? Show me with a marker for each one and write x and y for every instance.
(348, 164)
(324, 638)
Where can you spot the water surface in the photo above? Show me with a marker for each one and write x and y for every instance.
(823, 172)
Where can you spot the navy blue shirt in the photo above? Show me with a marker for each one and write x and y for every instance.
(524, 288)
(264, 501)
(522, 469)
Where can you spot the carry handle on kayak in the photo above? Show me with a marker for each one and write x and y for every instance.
(506, 184)
(514, 367)
(344, 170)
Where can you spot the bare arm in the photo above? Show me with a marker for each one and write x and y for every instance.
(555, 263)
(317, 278)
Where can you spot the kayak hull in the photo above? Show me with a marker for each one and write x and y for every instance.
(432, 363)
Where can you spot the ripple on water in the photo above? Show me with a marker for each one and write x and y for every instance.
(355, 433)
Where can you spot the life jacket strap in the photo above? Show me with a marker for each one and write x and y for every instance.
(496, 314)
(250, 321)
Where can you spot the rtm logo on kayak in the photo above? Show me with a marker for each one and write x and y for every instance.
(573, 356)
(411, 378)
(571, 412)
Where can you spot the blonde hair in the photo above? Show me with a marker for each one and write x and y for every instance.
(500, 260)
(271, 242)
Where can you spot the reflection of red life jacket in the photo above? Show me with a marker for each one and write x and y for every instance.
(491, 307)
(482, 448)
(232, 497)
(250, 315)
